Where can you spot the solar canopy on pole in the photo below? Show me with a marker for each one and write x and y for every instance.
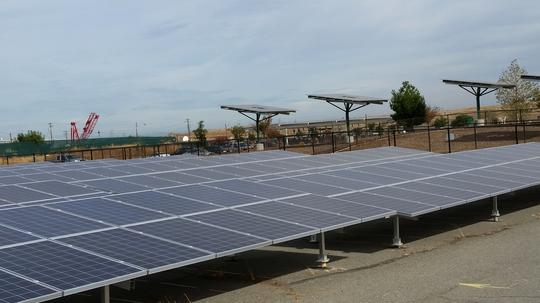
(530, 77)
(258, 110)
(349, 103)
(479, 89)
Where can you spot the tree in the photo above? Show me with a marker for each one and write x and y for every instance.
(238, 132)
(523, 97)
(266, 129)
(462, 120)
(200, 134)
(31, 136)
(409, 105)
(431, 113)
(440, 122)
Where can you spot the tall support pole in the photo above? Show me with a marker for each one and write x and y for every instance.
(105, 294)
(396, 242)
(323, 257)
(478, 103)
(257, 121)
(347, 118)
(495, 211)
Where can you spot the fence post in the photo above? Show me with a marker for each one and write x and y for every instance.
(448, 139)
(313, 144)
(198, 149)
(389, 144)
(394, 133)
(284, 142)
(524, 134)
(102, 156)
(123, 153)
(516, 131)
(238, 144)
(429, 137)
(333, 142)
(475, 137)
(91, 155)
(349, 140)
(34, 157)
(7, 160)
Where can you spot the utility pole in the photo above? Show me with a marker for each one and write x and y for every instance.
(188, 130)
(10, 137)
(136, 129)
(66, 134)
(226, 131)
(50, 129)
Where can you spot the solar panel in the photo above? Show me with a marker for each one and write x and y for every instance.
(15, 194)
(209, 174)
(46, 222)
(114, 186)
(341, 207)
(305, 186)
(108, 211)
(415, 196)
(10, 236)
(212, 195)
(337, 181)
(48, 177)
(60, 189)
(460, 194)
(300, 215)
(16, 289)
(482, 188)
(77, 175)
(209, 238)
(165, 202)
(277, 231)
(149, 181)
(9, 180)
(258, 189)
(181, 178)
(138, 249)
(63, 267)
(403, 207)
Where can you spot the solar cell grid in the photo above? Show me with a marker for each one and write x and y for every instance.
(306, 186)
(415, 196)
(10, 236)
(15, 289)
(60, 189)
(46, 222)
(209, 174)
(255, 225)
(164, 202)
(403, 207)
(61, 266)
(134, 248)
(16, 194)
(211, 195)
(299, 215)
(341, 207)
(149, 181)
(108, 211)
(199, 235)
(181, 178)
(114, 186)
(258, 189)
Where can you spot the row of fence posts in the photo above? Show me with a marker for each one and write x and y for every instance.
(126, 152)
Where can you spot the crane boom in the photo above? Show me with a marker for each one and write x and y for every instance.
(87, 130)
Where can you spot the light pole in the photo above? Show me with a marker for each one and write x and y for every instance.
(50, 130)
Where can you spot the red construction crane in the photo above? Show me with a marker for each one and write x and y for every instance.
(87, 130)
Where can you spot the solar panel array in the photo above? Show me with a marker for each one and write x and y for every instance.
(71, 227)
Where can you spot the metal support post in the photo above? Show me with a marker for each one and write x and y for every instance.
(396, 242)
(313, 144)
(524, 134)
(323, 257)
(475, 137)
(333, 143)
(516, 131)
(389, 144)
(429, 138)
(448, 139)
(394, 132)
(495, 212)
(105, 294)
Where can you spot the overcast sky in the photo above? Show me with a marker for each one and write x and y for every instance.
(160, 62)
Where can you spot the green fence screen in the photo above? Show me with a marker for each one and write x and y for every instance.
(27, 148)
